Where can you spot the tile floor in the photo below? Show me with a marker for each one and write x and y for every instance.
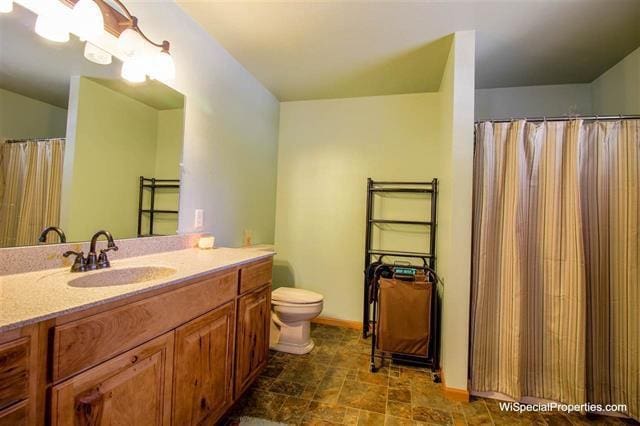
(333, 385)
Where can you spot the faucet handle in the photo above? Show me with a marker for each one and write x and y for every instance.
(79, 264)
(103, 261)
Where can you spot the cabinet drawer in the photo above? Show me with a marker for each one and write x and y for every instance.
(16, 415)
(14, 371)
(254, 276)
(81, 344)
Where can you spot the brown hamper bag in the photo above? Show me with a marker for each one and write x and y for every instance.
(405, 316)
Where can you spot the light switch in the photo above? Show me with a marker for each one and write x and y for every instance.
(199, 219)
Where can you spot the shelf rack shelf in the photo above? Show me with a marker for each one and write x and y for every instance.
(153, 185)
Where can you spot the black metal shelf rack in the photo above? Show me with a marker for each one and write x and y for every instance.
(428, 258)
(152, 185)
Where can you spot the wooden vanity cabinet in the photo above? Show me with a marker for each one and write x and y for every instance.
(180, 356)
(204, 367)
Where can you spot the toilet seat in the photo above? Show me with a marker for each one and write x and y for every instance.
(288, 296)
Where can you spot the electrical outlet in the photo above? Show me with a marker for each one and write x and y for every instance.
(198, 221)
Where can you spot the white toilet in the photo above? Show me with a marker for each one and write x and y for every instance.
(292, 310)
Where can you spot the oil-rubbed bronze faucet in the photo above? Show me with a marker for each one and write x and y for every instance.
(99, 262)
(93, 261)
(59, 231)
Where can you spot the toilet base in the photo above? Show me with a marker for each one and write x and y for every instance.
(294, 339)
(294, 348)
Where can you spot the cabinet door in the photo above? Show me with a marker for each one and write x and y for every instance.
(203, 367)
(16, 415)
(252, 349)
(131, 389)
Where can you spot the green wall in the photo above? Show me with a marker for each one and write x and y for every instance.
(617, 91)
(23, 117)
(114, 140)
(327, 150)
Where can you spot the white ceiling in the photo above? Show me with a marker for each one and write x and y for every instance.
(303, 49)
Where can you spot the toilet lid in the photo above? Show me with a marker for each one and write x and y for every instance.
(295, 295)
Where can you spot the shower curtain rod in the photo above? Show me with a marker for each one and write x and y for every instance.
(575, 117)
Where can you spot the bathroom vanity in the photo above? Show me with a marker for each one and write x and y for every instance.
(175, 348)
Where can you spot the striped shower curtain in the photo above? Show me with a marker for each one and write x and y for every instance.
(556, 268)
(30, 189)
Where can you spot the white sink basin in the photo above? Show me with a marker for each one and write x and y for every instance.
(123, 276)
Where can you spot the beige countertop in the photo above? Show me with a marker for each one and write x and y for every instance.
(36, 296)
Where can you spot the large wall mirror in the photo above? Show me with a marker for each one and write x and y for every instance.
(81, 149)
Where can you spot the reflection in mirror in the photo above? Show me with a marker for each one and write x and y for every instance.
(75, 140)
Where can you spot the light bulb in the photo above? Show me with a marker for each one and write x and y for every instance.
(96, 55)
(130, 43)
(6, 6)
(52, 24)
(133, 70)
(163, 68)
(87, 19)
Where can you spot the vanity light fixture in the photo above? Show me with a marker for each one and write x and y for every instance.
(6, 6)
(133, 70)
(87, 19)
(96, 55)
(130, 43)
(163, 67)
(159, 66)
(141, 56)
(53, 24)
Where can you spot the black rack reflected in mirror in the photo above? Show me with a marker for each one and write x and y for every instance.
(152, 186)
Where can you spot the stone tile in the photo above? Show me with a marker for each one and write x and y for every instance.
(329, 389)
(380, 377)
(352, 374)
(431, 415)
(263, 382)
(458, 418)
(273, 369)
(400, 394)
(430, 395)
(310, 421)
(303, 372)
(261, 404)
(363, 396)
(476, 413)
(351, 416)
(416, 376)
(369, 418)
(398, 421)
(292, 410)
(396, 382)
(309, 391)
(286, 388)
(399, 409)
(500, 417)
(327, 412)
(556, 419)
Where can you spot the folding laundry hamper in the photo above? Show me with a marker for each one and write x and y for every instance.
(404, 321)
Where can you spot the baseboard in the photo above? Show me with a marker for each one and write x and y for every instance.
(336, 322)
(455, 394)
